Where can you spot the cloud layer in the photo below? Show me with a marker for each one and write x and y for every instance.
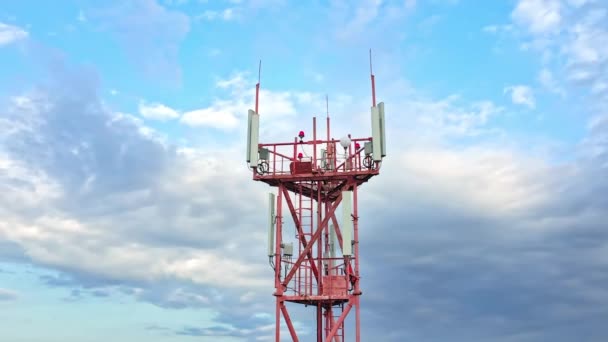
(463, 237)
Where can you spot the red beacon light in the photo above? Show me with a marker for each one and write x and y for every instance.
(357, 146)
(300, 156)
(301, 136)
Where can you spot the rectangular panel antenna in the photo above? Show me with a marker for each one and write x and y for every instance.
(254, 140)
(376, 135)
(271, 223)
(382, 130)
(323, 158)
(347, 223)
(249, 118)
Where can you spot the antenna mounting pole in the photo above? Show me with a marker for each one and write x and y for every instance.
(257, 87)
(371, 72)
(327, 112)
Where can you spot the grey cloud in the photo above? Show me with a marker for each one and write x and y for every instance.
(126, 188)
(214, 331)
(79, 145)
(463, 275)
(12, 252)
(438, 263)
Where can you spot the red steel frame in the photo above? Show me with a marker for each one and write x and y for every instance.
(330, 284)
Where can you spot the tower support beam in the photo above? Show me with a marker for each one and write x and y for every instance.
(302, 238)
(313, 240)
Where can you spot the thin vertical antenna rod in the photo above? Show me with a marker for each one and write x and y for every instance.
(327, 111)
(257, 87)
(371, 72)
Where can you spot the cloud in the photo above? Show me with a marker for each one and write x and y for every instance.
(596, 145)
(10, 34)
(157, 111)
(465, 235)
(150, 34)
(521, 95)
(352, 21)
(220, 116)
(76, 183)
(546, 79)
(226, 14)
(7, 295)
(538, 16)
(520, 237)
(278, 108)
(177, 2)
(99, 199)
(236, 12)
(577, 44)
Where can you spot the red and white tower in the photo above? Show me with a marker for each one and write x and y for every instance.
(317, 181)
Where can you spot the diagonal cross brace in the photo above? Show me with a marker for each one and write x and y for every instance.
(340, 320)
(312, 241)
(292, 330)
(292, 209)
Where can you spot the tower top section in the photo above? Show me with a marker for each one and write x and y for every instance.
(338, 161)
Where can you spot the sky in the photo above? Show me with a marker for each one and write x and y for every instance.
(127, 212)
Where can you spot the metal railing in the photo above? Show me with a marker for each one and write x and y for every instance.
(313, 157)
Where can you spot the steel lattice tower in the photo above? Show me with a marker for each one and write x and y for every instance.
(313, 178)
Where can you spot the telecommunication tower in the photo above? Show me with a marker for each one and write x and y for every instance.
(313, 178)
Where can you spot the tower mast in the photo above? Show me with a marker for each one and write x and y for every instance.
(318, 266)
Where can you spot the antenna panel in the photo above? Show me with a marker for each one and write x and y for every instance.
(382, 130)
(271, 223)
(323, 159)
(254, 140)
(347, 223)
(376, 134)
(249, 118)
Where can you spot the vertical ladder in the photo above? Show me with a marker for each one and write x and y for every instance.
(305, 211)
(330, 321)
(339, 336)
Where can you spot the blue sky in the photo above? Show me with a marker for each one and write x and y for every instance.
(127, 213)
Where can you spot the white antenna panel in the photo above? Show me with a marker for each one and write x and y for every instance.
(347, 223)
(323, 158)
(376, 135)
(254, 139)
(271, 223)
(382, 130)
(249, 118)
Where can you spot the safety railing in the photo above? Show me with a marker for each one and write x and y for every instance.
(284, 159)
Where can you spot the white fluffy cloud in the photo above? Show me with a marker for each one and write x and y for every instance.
(539, 16)
(277, 108)
(157, 111)
(10, 34)
(225, 14)
(521, 95)
(577, 46)
(547, 80)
